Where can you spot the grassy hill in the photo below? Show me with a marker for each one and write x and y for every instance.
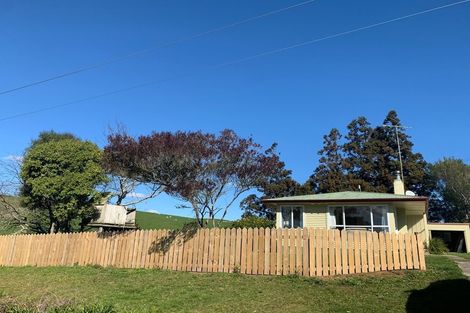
(148, 220)
(145, 220)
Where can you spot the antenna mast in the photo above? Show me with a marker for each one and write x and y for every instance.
(396, 127)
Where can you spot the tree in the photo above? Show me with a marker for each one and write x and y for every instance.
(120, 188)
(48, 136)
(329, 176)
(369, 158)
(453, 186)
(60, 177)
(206, 171)
(384, 148)
(358, 159)
(281, 184)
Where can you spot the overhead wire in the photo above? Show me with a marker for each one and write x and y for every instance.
(237, 61)
(154, 48)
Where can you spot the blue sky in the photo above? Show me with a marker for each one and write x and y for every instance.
(419, 67)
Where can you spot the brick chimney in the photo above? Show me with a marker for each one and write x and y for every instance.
(398, 186)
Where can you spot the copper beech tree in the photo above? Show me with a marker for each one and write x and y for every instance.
(207, 171)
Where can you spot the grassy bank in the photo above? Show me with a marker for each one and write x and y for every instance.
(147, 220)
(165, 291)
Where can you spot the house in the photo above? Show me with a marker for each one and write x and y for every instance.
(351, 210)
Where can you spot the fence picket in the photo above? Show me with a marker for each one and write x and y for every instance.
(376, 247)
(414, 249)
(249, 251)
(205, 253)
(279, 251)
(344, 253)
(273, 249)
(331, 253)
(370, 252)
(401, 248)
(383, 260)
(357, 252)
(311, 250)
(351, 258)
(363, 248)
(305, 254)
(254, 269)
(292, 251)
(261, 252)
(420, 247)
(267, 250)
(318, 251)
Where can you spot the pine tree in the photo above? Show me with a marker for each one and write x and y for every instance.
(369, 159)
(329, 176)
(358, 160)
(383, 146)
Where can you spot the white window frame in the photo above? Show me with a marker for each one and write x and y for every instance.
(291, 207)
(371, 226)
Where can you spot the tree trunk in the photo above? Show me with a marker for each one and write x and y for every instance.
(52, 229)
(198, 218)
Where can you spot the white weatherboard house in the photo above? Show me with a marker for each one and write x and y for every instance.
(351, 210)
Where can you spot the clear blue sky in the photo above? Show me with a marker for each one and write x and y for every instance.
(419, 66)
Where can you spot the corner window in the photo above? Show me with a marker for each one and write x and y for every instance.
(359, 218)
(292, 217)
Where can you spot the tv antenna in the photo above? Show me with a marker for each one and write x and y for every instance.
(396, 127)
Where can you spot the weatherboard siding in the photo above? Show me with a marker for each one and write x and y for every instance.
(316, 216)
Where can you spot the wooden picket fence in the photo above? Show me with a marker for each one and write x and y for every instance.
(308, 251)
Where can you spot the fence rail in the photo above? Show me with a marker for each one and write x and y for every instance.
(259, 251)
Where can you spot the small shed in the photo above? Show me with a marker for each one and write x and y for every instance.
(114, 216)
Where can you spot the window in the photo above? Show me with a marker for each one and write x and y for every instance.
(292, 217)
(359, 218)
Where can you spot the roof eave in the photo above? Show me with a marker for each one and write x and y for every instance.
(345, 200)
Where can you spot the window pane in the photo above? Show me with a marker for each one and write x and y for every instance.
(286, 217)
(336, 216)
(297, 217)
(379, 229)
(380, 215)
(359, 215)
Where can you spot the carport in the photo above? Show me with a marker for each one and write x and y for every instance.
(455, 235)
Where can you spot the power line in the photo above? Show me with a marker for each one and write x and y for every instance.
(241, 60)
(153, 48)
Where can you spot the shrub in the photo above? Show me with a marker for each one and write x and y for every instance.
(253, 222)
(437, 246)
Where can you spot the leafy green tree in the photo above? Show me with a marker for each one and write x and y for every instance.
(50, 135)
(453, 187)
(329, 176)
(60, 176)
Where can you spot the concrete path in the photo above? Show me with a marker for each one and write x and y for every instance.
(464, 264)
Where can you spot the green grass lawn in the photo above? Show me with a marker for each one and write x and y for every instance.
(441, 286)
(147, 220)
(462, 255)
